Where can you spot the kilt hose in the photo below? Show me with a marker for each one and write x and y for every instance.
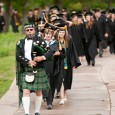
(40, 82)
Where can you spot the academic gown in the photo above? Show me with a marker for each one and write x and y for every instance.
(53, 45)
(89, 41)
(111, 40)
(2, 23)
(103, 28)
(65, 76)
(76, 32)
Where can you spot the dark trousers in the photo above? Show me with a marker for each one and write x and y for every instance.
(47, 94)
(112, 48)
(100, 48)
(15, 28)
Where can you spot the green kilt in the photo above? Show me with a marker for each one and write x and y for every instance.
(40, 82)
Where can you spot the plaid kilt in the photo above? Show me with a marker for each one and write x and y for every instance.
(40, 82)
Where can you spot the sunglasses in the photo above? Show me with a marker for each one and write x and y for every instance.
(27, 30)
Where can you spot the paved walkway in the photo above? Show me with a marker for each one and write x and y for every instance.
(93, 92)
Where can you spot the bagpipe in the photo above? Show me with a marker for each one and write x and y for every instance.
(39, 48)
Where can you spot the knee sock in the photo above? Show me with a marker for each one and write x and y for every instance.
(26, 104)
(38, 102)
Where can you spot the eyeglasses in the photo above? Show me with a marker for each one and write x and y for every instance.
(27, 30)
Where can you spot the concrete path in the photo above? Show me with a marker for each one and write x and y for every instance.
(93, 92)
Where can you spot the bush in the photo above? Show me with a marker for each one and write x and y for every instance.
(8, 43)
(7, 59)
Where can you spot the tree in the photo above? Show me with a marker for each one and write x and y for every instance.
(24, 5)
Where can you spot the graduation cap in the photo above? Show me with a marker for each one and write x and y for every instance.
(53, 17)
(63, 10)
(73, 13)
(88, 14)
(103, 12)
(61, 15)
(79, 15)
(41, 22)
(30, 10)
(55, 8)
(50, 26)
(29, 25)
(35, 8)
(97, 10)
(112, 11)
(60, 24)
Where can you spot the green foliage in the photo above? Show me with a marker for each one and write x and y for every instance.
(7, 73)
(7, 59)
(4, 86)
(76, 6)
(8, 41)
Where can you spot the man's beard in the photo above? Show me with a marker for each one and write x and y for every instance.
(31, 36)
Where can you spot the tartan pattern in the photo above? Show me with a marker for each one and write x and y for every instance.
(40, 82)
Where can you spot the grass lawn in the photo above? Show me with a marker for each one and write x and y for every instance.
(7, 59)
(7, 73)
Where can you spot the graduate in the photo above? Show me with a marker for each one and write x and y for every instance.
(67, 59)
(52, 44)
(103, 30)
(90, 32)
(111, 40)
(75, 31)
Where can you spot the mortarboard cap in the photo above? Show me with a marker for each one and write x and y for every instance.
(60, 24)
(35, 8)
(112, 11)
(97, 10)
(103, 12)
(88, 14)
(79, 15)
(61, 15)
(55, 8)
(73, 13)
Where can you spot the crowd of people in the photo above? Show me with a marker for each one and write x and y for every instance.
(89, 29)
(54, 44)
(15, 21)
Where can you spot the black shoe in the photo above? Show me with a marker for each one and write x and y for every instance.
(49, 107)
(93, 62)
(88, 63)
(37, 113)
(26, 114)
(57, 95)
(44, 99)
(100, 55)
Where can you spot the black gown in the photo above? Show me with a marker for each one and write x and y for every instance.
(103, 28)
(111, 40)
(76, 32)
(53, 45)
(62, 75)
(2, 23)
(90, 42)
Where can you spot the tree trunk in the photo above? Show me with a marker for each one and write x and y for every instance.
(7, 15)
(25, 11)
(109, 3)
(56, 2)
